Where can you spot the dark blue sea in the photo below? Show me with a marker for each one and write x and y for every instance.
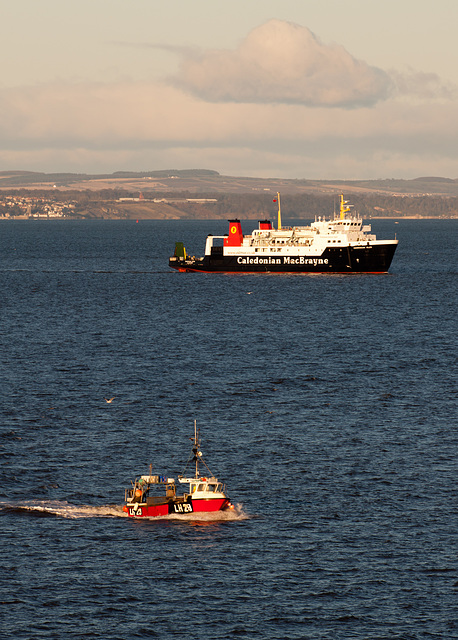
(327, 404)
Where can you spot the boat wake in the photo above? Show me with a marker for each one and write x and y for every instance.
(230, 515)
(63, 509)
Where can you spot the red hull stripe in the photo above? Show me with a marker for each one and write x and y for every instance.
(282, 273)
(198, 506)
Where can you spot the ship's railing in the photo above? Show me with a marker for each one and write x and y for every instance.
(157, 479)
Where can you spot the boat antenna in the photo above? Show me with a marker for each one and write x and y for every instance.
(195, 449)
(196, 454)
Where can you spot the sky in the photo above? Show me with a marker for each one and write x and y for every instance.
(306, 89)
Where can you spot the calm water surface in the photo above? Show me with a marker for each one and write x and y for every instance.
(326, 403)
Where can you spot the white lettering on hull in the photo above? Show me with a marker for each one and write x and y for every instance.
(283, 260)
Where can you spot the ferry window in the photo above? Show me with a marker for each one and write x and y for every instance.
(218, 488)
(211, 487)
(193, 488)
(201, 487)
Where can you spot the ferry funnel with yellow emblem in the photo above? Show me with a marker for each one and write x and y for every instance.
(235, 237)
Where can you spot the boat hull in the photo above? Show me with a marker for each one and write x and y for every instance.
(369, 258)
(168, 507)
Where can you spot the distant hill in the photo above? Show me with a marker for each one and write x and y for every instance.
(28, 178)
(206, 180)
(204, 193)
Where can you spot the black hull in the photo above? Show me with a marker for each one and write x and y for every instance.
(366, 259)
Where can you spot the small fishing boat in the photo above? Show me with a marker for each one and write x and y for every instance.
(152, 495)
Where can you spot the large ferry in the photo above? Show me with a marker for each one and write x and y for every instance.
(156, 495)
(341, 244)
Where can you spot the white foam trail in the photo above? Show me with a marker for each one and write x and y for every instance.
(66, 510)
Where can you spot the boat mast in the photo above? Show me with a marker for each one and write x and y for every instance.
(195, 446)
(195, 449)
(343, 208)
(279, 211)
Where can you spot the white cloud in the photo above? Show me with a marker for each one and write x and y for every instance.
(282, 62)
